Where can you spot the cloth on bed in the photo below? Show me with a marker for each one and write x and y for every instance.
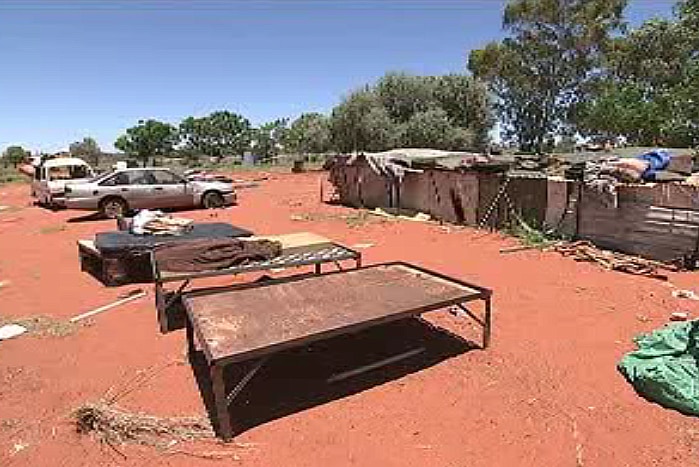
(126, 243)
(212, 254)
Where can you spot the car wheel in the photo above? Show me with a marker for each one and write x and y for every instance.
(212, 200)
(112, 208)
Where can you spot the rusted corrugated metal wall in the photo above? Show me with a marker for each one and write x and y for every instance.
(541, 202)
(658, 221)
(358, 185)
(445, 195)
(456, 197)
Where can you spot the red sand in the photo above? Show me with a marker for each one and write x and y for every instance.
(546, 393)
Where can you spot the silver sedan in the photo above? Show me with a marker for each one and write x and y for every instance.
(116, 193)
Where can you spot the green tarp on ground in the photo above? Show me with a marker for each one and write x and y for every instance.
(665, 368)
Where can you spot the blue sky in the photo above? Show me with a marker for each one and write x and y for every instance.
(78, 68)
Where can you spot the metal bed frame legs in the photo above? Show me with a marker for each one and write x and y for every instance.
(223, 399)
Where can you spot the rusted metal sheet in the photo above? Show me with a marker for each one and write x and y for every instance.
(374, 189)
(415, 193)
(667, 195)
(557, 194)
(247, 323)
(492, 210)
(359, 186)
(452, 196)
(529, 196)
(635, 227)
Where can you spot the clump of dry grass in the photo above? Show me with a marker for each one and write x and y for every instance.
(353, 220)
(44, 326)
(113, 425)
(51, 229)
(10, 209)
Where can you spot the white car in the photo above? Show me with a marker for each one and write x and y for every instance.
(116, 193)
(52, 176)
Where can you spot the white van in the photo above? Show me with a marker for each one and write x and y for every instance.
(51, 177)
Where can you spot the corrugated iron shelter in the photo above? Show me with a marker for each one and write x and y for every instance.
(655, 220)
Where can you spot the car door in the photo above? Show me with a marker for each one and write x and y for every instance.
(38, 188)
(170, 190)
(141, 190)
(132, 185)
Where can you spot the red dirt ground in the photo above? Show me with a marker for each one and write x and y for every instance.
(546, 393)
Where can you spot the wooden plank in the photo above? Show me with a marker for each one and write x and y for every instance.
(293, 240)
(556, 201)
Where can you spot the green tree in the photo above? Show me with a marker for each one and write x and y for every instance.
(218, 134)
(86, 149)
(378, 132)
(148, 140)
(14, 155)
(348, 131)
(651, 80)
(427, 129)
(449, 112)
(269, 138)
(404, 95)
(309, 134)
(469, 108)
(622, 109)
(539, 73)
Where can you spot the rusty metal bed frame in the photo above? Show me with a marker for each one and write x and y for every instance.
(256, 321)
(312, 255)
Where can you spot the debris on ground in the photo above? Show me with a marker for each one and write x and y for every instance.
(114, 425)
(239, 186)
(10, 209)
(514, 249)
(679, 316)
(586, 251)
(402, 214)
(685, 294)
(129, 298)
(4, 284)
(664, 369)
(51, 229)
(198, 175)
(130, 293)
(362, 246)
(353, 220)
(43, 326)
(18, 447)
(8, 331)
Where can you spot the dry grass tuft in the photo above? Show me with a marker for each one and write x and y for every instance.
(44, 326)
(113, 425)
(52, 229)
(353, 220)
(10, 209)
